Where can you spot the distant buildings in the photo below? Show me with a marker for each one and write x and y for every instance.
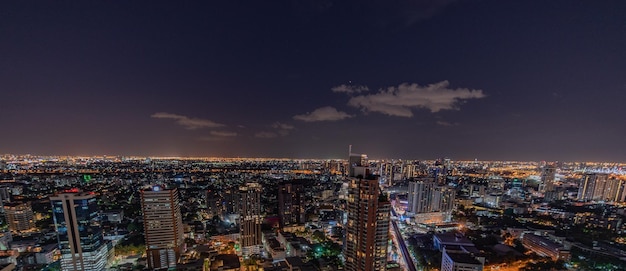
(367, 228)
(250, 218)
(163, 227)
(80, 237)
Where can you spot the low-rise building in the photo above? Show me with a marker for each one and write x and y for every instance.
(455, 261)
(545, 247)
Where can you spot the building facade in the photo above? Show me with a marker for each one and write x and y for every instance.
(79, 232)
(163, 227)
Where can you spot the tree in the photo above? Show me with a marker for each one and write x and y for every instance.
(318, 236)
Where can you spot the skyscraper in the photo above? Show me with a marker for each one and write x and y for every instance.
(290, 204)
(163, 227)
(250, 218)
(80, 237)
(367, 228)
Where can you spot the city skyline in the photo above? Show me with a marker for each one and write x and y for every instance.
(486, 80)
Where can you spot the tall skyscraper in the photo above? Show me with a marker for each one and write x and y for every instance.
(290, 204)
(80, 237)
(367, 227)
(250, 219)
(163, 227)
(425, 196)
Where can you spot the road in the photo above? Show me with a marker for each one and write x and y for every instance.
(402, 245)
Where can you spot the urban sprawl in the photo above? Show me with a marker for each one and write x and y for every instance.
(172, 213)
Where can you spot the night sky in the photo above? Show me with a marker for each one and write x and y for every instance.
(413, 79)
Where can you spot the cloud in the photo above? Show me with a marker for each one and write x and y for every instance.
(399, 101)
(282, 126)
(445, 123)
(323, 114)
(350, 89)
(223, 133)
(187, 122)
(266, 135)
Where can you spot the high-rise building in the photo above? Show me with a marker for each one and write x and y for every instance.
(250, 219)
(79, 232)
(420, 195)
(548, 176)
(599, 187)
(426, 196)
(163, 227)
(367, 227)
(19, 216)
(291, 204)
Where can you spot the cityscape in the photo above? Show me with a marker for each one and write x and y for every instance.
(167, 213)
(313, 135)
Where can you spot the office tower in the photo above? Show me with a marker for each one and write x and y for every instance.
(367, 227)
(425, 196)
(548, 177)
(79, 233)
(163, 227)
(19, 216)
(291, 204)
(250, 218)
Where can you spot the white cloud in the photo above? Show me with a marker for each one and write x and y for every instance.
(350, 89)
(223, 133)
(282, 126)
(187, 122)
(445, 123)
(266, 135)
(323, 114)
(400, 100)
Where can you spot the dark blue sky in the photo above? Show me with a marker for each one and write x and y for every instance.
(485, 79)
